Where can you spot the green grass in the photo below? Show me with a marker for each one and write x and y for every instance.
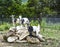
(50, 33)
(55, 26)
(5, 26)
(34, 23)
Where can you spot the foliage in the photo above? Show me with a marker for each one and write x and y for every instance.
(50, 33)
(42, 6)
(5, 26)
(9, 7)
(34, 23)
(32, 8)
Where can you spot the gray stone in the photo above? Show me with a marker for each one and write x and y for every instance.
(23, 34)
(31, 39)
(22, 41)
(10, 33)
(12, 39)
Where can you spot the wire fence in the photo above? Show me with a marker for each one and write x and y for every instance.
(47, 20)
(5, 20)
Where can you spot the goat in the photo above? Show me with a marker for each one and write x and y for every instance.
(36, 29)
(23, 21)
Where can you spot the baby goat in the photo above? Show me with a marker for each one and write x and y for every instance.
(23, 21)
(36, 29)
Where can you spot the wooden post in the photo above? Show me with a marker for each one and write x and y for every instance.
(2, 18)
(13, 20)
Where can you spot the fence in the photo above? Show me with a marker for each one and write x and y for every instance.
(7, 20)
(53, 20)
(47, 20)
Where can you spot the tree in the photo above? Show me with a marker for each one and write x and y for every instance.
(9, 7)
(31, 6)
(58, 6)
(43, 6)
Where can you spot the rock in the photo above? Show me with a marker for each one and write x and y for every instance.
(12, 39)
(8, 46)
(23, 34)
(23, 41)
(5, 37)
(31, 39)
(34, 33)
(41, 38)
(10, 33)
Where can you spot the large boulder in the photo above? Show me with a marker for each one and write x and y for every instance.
(12, 39)
(22, 34)
(32, 39)
(8, 34)
(5, 37)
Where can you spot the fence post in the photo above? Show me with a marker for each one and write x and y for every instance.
(2, 18)
(13, 20)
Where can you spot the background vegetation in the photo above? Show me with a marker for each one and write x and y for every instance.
(29, 8)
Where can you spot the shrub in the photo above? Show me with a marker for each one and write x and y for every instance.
(5, 26)
(34, 23)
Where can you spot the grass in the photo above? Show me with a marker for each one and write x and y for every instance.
(50, 30)
(5, 26)
(47, 30)
(34, 23)
(49, 33)
(55, 26)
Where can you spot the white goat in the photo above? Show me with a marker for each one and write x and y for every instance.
(23, 21)
(36, 29)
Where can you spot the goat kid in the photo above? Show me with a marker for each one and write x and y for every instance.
(23, 21)
(36, 29)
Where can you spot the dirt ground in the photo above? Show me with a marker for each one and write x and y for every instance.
(48, 43)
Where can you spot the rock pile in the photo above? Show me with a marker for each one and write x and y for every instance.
(21, 36)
